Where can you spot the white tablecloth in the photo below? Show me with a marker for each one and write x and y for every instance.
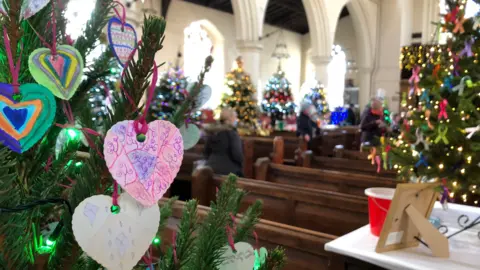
(464, 247)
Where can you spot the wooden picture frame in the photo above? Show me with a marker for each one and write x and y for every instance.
(407, 224)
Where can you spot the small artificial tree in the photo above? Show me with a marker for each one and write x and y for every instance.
(170, 92)
(277, 97)
(241, 97)
(318, 97)
(440, 136)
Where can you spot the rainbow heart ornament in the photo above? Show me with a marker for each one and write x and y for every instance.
(61, 74)
(122, 40)
(22, 124)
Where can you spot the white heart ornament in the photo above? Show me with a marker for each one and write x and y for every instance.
(67, 134)
(31, 7)
(115, 240)
(190, 136)
(243, 258)
(202, 98)
(145, 170)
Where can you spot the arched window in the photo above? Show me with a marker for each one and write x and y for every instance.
(78, 12)
(336, 78)
(197, 46)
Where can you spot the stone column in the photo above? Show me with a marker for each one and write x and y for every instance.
(364, 77)
(387, 72)
(251, 54)
(321, 68)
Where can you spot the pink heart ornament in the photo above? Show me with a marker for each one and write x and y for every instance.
(145, 170)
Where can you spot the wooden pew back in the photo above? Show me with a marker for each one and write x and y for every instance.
(337, 181)
(318, 210)
(304, 248)
(308, 160)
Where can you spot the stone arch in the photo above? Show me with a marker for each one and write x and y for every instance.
(218, 68)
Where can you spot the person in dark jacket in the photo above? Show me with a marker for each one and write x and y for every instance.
(223, 147)
(351, 119)
(372, 124)
(306, 125)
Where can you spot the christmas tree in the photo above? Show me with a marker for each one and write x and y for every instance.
(56, 208)
(241, 97)
(170, 93)
(277, 97)
(440, 139)
(317, 96)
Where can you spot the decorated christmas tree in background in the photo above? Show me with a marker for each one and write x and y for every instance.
(440, 137)
(170, 93)
(52, 210)
(317, 96)
(241, 97)
(277, 97)
(101, 94)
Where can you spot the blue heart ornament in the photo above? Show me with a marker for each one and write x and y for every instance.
(23, 123)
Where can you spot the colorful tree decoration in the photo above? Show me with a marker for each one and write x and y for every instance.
(439, 140)
(277, 97)
(240, 96)
(170, 93)
(318, 97)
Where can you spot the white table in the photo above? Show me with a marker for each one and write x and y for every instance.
(464, 247)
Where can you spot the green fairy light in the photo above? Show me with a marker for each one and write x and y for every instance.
(115, 209)
(72, 133)
(78, 164)
(156, 240)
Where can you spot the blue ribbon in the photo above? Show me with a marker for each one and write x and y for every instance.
(425, 97)
(422, 161)
(447, 82)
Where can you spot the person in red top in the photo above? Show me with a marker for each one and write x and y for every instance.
(372, 124)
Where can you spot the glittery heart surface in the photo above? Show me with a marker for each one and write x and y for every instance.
(24, 123)
(122, 41)
(144, 169)
(61, 74)
(115, 240)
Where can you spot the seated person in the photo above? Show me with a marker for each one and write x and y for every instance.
(372, 124)
(223, 147)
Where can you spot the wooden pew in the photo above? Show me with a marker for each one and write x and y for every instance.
(308, 160)
(323, 145)
(304, 248)
(337, 181)
(319, 210)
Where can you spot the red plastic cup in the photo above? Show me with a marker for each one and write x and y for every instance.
(379, 200)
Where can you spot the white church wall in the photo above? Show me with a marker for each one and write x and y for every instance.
(181, 14)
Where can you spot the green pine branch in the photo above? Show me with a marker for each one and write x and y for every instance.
(275, 260)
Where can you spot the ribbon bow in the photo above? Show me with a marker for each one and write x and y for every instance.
(459, 26)
(378, 160)
(427, 118)
(461, 86)
(452, 15)
(456, 59)
(373, 153)
(422, 160)
(468, 48)
(476, 24)
(445, 195)
(421, 139)
(415, 75)
(407, 126)
(385, 156)
(471, 131)
(443, 110)
(436, 70)
(447, 82)
(425, 97)
(442, 135)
